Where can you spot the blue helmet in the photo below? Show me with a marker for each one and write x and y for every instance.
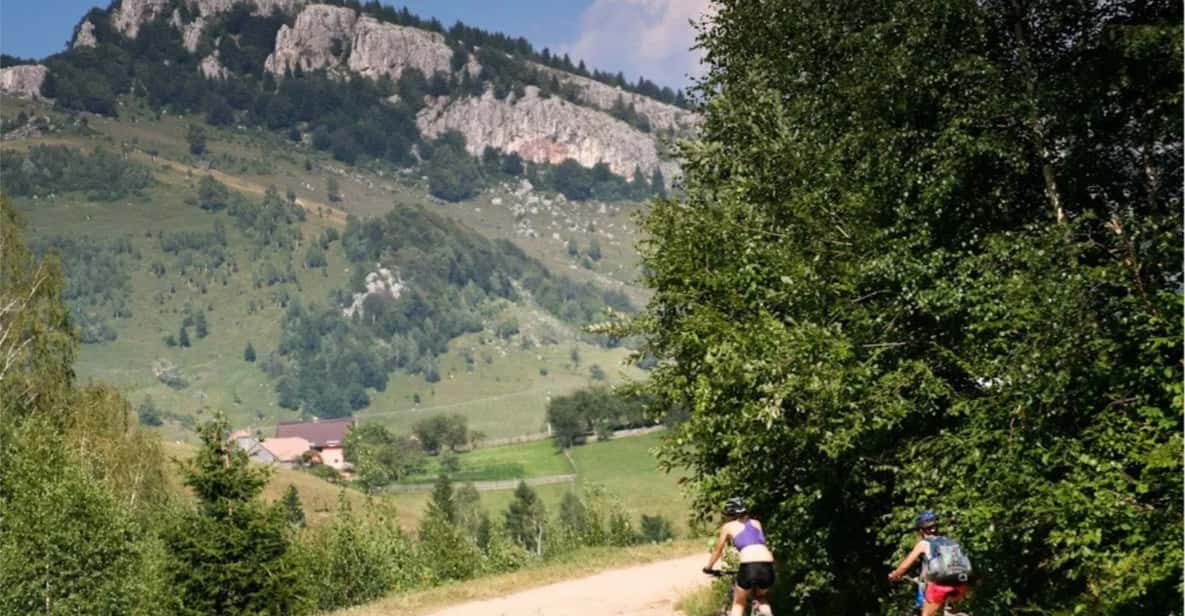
(925, 519)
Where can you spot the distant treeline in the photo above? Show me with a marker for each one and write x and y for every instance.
(98, 286)
(55, 169)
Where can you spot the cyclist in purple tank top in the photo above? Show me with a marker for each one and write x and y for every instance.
(756, 573)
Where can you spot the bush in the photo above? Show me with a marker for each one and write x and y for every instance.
(212, 194)
(65, 541)
(359, 557)
(656, 529)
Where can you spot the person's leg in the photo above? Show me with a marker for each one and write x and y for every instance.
(740, 598)
(763, 608)
(930, 608)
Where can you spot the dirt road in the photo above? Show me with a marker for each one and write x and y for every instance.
(645, 590)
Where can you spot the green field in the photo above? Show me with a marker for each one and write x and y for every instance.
(519, 461)
(626, 468)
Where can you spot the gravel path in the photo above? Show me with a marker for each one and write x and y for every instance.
(644, 590)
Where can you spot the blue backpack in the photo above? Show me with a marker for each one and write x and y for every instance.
(946, 563)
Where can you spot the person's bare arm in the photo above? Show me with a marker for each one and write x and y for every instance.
(719, 549)
(914, 555)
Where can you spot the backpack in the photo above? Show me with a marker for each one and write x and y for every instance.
(947, 564)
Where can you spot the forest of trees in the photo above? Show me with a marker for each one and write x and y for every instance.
(968, 301)
(98, 287)
(44, 170)
(326, 362)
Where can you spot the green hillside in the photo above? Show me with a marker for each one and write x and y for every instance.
(139, 281)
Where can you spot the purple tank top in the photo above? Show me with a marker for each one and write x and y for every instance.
(750, 535)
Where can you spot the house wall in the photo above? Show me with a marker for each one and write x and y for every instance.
(333, 457)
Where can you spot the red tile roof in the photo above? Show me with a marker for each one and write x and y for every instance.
(319, 433)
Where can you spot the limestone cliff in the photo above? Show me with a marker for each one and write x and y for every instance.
(597, 94)
(545, 130)
(23, 80)
(342, 41)
(85, 37)
(338, 39)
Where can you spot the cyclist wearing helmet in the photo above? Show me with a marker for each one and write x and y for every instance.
(756, 573)
(936, 595)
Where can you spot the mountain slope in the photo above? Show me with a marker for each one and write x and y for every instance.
(154, 238)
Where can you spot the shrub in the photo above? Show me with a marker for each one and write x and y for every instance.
(656, 529)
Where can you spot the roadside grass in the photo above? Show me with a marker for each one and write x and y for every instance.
(575, 564)
(705, 600)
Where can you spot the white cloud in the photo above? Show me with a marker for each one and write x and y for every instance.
(651, 38)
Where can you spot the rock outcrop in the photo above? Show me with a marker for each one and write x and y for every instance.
(131, 14)
(23, 80)
(661, 115)
(85, 37)
(544, 130)
(212, 68)
(338, 39)
(191, 34)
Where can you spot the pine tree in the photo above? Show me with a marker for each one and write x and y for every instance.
(332, 190)
(293, 507)
(526, 519)
(249, 352)
(200, 326)
(183, 337)
(196, 138)
(657, 183)
(229, 555)
(443, 506)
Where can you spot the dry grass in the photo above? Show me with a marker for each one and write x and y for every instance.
(576, 564)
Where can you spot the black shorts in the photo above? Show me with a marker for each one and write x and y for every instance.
(755, 575)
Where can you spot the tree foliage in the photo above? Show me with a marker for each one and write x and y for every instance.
(231, 554)
(380, 457)
(929, 258)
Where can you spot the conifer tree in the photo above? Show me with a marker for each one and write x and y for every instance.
(293, 506)
(230, 554)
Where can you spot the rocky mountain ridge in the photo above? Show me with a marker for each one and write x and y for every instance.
(343, 41)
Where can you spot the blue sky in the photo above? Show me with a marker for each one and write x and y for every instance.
(637, 37)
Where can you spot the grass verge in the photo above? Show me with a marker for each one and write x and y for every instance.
(578, 563)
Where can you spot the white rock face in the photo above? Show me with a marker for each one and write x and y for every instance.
(212, 68)
(23, 80)
(543, 130)
(379, 49)
(191, 34)
(382, 283)
(85, 36)
(661, 115)
(131, 14)
(364, 45)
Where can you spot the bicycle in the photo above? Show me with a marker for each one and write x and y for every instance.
(921, 584)
(725, 609)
